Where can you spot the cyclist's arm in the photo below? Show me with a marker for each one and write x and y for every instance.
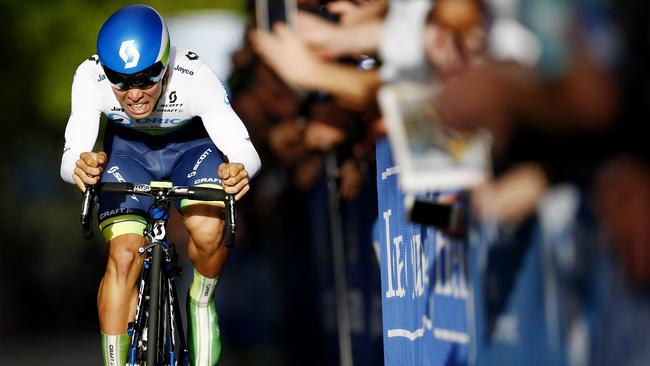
(83, 125)
(227, 131)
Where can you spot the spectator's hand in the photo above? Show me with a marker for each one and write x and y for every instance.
(286, 53)
(350, 13)
(327, 125)
(350, 179)
(357, 32)
(234, 178)
(512, 197)
(478, 98)
(320, 34)
(308, 171)
(285, 140)
(322, 136)
(622, 196)
(89, 168)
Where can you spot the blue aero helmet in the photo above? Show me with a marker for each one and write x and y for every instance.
(133, 47)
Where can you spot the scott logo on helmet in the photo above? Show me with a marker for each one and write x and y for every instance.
(129, 54)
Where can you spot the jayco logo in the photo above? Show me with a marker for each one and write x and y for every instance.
(129, 54)
(183, 70)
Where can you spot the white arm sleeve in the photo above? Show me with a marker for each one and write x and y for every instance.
(83, 125)
(210, 102)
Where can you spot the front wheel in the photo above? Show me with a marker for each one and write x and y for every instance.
(154, 306)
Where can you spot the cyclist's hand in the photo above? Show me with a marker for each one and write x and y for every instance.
(89, 167)
(234, 178)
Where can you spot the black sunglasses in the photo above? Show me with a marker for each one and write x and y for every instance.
(141, 80)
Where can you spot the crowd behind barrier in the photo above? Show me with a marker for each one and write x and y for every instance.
(552, 261)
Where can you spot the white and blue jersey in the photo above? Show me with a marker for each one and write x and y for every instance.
(192, 90)
(182, 140)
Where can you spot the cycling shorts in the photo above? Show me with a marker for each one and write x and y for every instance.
(184, 157)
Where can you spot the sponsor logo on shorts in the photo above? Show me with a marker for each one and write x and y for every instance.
(115, 212)
(199, 161)
(207, 180)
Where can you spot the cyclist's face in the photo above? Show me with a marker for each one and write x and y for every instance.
(139, 103)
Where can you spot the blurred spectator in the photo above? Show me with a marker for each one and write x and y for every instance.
(562, 87)
(289, 53)
(622, 198)
(574, 121)
(294, 127)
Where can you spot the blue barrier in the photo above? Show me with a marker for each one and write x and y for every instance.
(424, 290)
(530, 296)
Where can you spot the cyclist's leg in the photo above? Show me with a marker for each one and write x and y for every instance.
(204, 222)
(121, 220)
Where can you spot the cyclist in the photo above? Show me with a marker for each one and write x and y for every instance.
(168, 118)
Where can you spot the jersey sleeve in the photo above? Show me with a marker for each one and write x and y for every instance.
(225, 128)
(83, 125)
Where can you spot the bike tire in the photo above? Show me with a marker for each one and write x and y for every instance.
(154, 306)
